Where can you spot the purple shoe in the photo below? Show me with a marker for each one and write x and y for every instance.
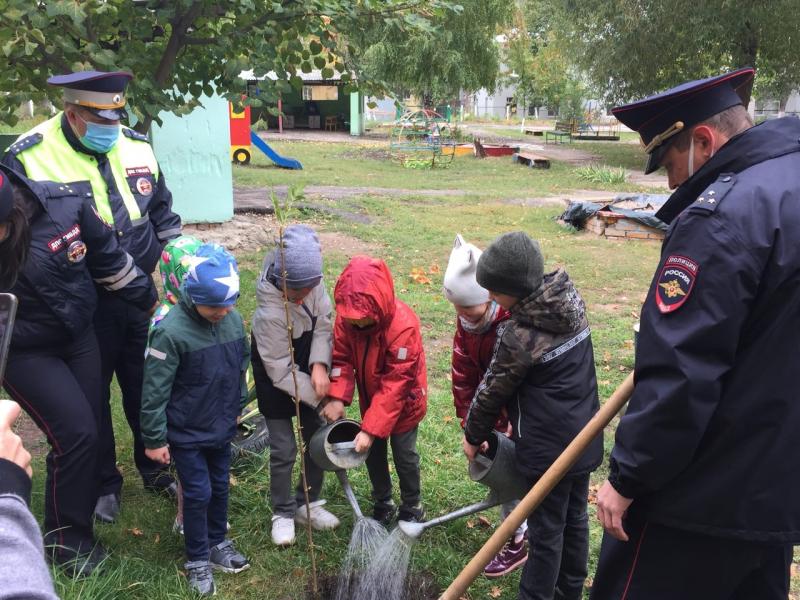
(511, 557)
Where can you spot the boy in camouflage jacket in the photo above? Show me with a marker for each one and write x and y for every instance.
(542, 372)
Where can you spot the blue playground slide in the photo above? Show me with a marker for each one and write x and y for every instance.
(286, 163)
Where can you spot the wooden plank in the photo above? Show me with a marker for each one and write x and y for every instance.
(532, 160)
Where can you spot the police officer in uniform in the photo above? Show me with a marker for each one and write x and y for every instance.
(703, 496)
(54, 250)
(86, 143)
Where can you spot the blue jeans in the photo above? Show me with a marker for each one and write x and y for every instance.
(203, 473)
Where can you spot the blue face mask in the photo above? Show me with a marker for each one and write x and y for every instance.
(100, 138)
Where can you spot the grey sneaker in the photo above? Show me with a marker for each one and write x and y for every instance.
(201, 580)
(224, 557)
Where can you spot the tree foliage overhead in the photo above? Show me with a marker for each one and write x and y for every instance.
(540, 64)
(180, 49)
(456, 52)
(633, 48)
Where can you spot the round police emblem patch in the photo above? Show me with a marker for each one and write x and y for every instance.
(76, 251)
(675, 282)
(144, 186)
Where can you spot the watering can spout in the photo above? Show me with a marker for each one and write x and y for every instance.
(411, 529)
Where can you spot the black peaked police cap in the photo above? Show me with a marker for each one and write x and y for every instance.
(659, 118)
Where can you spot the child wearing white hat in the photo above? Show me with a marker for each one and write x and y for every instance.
(476, 330)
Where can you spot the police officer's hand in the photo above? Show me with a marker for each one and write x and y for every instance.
(160, 455)
(611, 509)
(11, 447)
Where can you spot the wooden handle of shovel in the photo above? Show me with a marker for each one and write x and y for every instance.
(539, 491)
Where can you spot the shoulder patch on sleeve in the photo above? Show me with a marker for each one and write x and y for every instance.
(708, 201)
(675, 282)
(156, 353)
(25, 143)
(402, 353)
(134, 135)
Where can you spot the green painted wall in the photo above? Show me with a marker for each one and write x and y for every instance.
(194, 154)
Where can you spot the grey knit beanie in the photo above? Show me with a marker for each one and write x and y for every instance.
(512, 265)
(303, 255)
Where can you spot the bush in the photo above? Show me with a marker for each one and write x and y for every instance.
(602, 174)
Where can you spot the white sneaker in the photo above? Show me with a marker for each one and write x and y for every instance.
(321, 519)
(282, 531)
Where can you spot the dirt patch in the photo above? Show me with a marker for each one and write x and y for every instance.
(419, 586)
(439, 344)
(372, 153)
(250, 232)
(259, 199)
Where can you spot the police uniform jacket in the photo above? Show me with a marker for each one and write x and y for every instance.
(128, 187)
(542, 372)
(709, 442)
(71, 250)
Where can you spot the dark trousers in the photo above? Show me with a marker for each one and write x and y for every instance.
(203, 473)
(406, 463)
(558, 533)
(282, 456)
(663, 563)
(122, 335)
(59, 388)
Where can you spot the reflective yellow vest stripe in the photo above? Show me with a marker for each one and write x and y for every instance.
(53, 159)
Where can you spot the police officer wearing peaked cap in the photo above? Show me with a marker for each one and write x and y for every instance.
(703, 498)
(87, 143)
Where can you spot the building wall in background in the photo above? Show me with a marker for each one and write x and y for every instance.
(194, 153)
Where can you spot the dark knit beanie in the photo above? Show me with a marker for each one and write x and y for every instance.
(512, 265)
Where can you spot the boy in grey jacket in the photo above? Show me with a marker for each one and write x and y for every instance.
(312, 339)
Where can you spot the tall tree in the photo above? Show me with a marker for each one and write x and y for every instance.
(540, 64)
(456, 51)
(632, 48)
(180, 49)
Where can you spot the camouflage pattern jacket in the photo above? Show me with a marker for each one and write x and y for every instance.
(542, 372)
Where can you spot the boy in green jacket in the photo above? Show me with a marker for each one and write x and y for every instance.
(194, 387)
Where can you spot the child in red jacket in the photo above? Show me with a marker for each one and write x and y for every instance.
(377, 347)
(476, 330)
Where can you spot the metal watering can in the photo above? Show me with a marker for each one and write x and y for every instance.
(496, 469)
(332, 447)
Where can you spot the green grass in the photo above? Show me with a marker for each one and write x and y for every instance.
(353, 164)
(408, 232)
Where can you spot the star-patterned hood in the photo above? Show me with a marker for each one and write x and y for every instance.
(213, 277)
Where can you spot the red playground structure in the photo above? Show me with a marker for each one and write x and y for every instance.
(242, 137)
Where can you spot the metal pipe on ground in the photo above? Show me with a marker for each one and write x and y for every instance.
(538, 492)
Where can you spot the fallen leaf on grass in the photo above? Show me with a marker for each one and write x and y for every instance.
(418, 275)
(495, 592)
(437, 461)
(233, 481)
(593, 489)
(629, 344)
(136, 531)
(157, 539)
(434, 268)
(447, 418)
(470, 523)
(484, 521)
